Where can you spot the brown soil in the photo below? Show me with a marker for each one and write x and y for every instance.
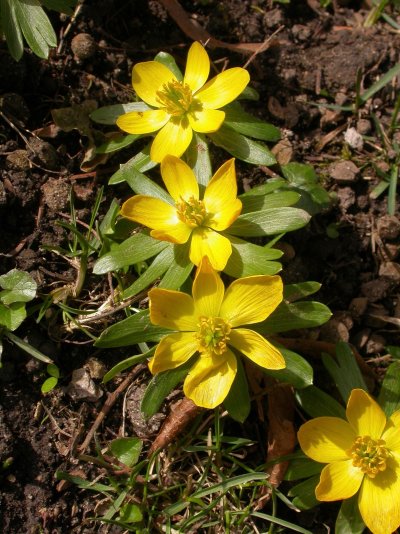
(314, 58)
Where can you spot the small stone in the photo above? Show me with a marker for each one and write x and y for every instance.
(361, 338)
(364, 126)
(346, 197)
(56, 194)
(375, 289)
(375, 344)
(83, 46)
(392, 250)
(96, 368)
(388, 227)
(341, 98)
(18, 160)
(358, 307)
(390, 269)
(44, 152)
(343, 171)
(82, 387)
(354, 139)
(334, 331)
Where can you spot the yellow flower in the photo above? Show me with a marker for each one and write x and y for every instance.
(208, 323)
(363, 454)
(188, 217)
(179, 107)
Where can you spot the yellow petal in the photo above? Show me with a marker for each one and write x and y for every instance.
(208, 290)
(251, 299)
(365, 415)
(379, 501)
(207, 120)
(172, 309)
(148, 78)
(173, 138)
(210, 379)
(158, 215)
(223, 88)
(179, 179)
(340, 480)
(206, 242)
(197, 67)
(326, 439)
(173, 351)
(255, 347)
(220, 197)
(142, 122)
(391, 434)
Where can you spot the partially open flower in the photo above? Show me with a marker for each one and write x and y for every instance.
(363, 455)
(188, 216)
(179, 107)
(208, 324)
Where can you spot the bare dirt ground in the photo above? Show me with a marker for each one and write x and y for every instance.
(313, 57)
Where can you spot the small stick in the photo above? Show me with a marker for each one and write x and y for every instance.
(109, 403)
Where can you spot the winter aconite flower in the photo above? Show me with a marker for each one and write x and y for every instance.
(363, 454)
(177, 107)
(188, 217)
(208, 324)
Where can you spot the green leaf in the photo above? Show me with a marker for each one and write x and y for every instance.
(389, 396)
(28, 348)
(180, 268)
(271, 186)
(131, 331)
(269, 222)
(117, 143)
(161, 263)
(18, 286)
(294, 316)
(130, 513)
(249, 93)
(135, 249)
(141, 162)
(299, 173)
(248, 259)
(125, 364)
(160, 386)
(317, 403)
(109, 114)
(49, 384)
(280, 199)
(344, 370)
(62, 6)
(292, 292)
(297, 372)
(237, 402)
(168, 61)
(242, 122)
(381, 83)
(198, 158)
(349, 520)
(83, 483)
(242, 147)
(304, 493)
(13, 315)
(126, 450)
(53, 370)
(302, 467)
(140, 184)
(11, 28)
(36, 27)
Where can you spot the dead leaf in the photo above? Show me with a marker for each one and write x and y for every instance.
(281, 435)
(182, 413)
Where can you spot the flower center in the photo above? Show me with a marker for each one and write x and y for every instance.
(176, 98)
(369, 455)
(213, 335)
(191, 211)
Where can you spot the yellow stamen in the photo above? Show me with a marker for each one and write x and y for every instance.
(213, 335)
(177, 99)
(191, 211)
(369, 455)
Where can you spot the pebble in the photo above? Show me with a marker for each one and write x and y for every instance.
(18, 160)
(354, 139)
(82, 387)
(343, 171)
(358, 307)
(390, 269)
(375, 344)
(56, 194)
(44, 152)
(375, 289)
(388, 227)
(83, 46)
(364, 126)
